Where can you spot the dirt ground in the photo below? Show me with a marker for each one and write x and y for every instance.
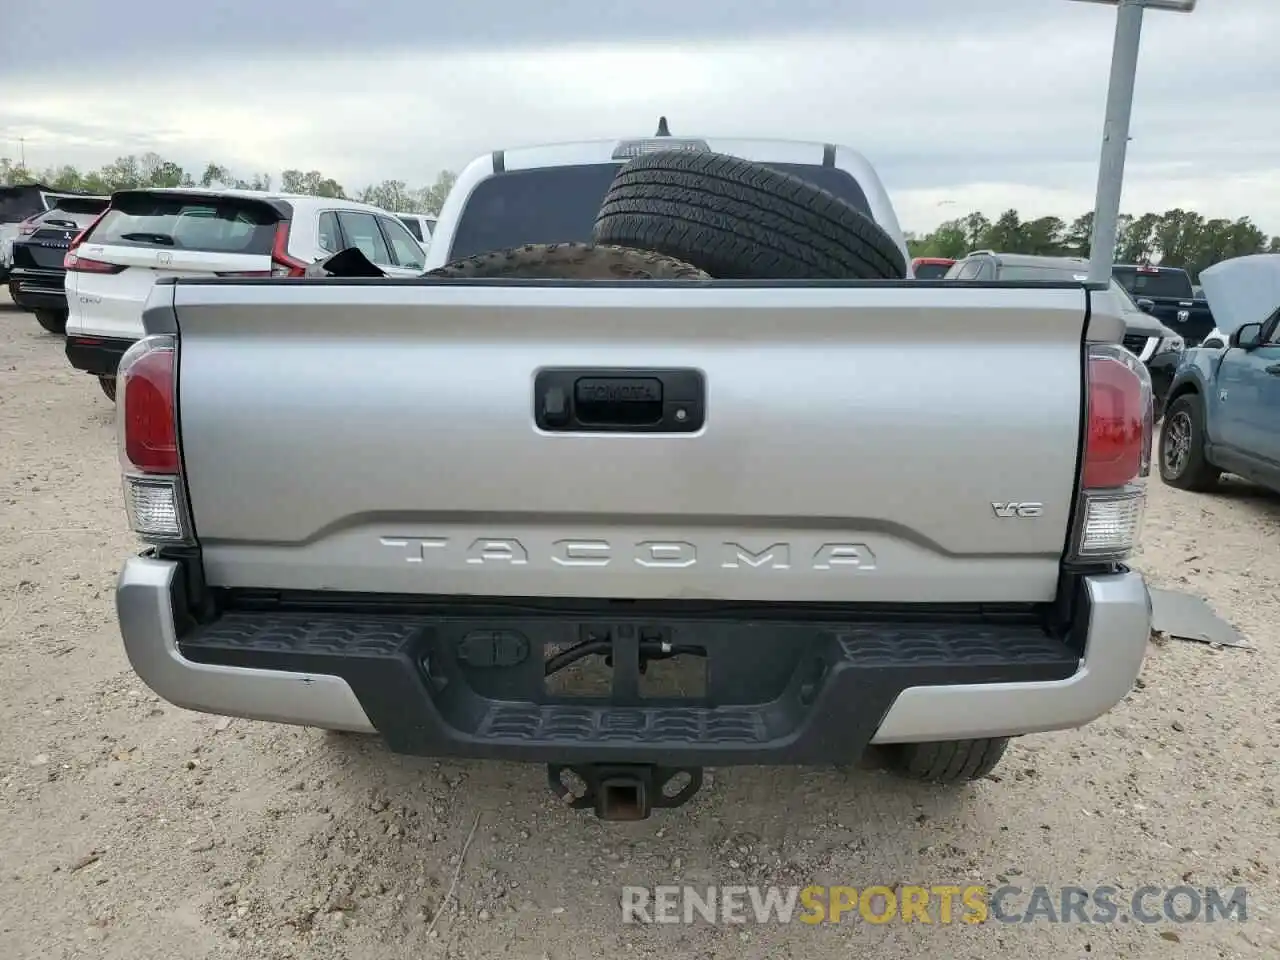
(132, 829)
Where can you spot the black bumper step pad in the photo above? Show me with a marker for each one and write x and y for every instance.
(776, 691)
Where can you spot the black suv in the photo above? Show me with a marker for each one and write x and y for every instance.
(37, 276)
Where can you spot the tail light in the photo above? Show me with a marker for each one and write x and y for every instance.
(78, 264)
(283, 265)
(147, 428)
(1117, 455)
(28, 226)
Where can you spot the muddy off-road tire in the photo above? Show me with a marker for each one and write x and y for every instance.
(108, 385)
(571, 261)
(739, 220)
(52, 321)
(947, 761)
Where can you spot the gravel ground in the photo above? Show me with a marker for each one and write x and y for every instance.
(132, 829)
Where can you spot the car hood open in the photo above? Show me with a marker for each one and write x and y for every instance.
(1242, 290)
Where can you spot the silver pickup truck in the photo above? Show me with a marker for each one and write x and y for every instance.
(629, 529)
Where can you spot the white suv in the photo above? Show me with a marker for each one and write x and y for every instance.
(422, 227)
(148, 234)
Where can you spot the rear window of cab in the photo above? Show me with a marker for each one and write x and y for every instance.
(559, 204)
(184, 223)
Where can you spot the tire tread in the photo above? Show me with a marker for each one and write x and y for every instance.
(570, 261)
(950, 761)
(742, 220)
(1199, 475)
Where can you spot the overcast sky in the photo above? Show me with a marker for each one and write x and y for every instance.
(984, 104)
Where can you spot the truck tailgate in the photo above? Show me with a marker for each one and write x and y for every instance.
(906, 443)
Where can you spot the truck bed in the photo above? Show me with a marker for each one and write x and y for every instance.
(862, 442)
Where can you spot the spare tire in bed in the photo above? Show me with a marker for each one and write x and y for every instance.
(740, 220)
(570, 261)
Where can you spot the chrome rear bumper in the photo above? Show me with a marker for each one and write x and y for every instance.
(1119, 624)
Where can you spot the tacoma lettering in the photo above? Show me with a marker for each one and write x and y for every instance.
(650, 554)
(776, 555)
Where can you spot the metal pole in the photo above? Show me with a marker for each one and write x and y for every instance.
(1115, 139)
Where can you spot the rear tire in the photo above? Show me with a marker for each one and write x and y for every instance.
(1182, 459)
(947, 761)
(740, 220)
(108, 385)
(52, 321)
(571, 261)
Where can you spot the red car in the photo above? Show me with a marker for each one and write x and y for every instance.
(930, 268)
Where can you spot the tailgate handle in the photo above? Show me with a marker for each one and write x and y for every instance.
(595, 400)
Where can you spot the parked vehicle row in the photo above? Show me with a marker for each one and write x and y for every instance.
(87, 266)
(109, 287)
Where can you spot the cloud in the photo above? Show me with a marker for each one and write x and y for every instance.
(164, 30)
(988, 104)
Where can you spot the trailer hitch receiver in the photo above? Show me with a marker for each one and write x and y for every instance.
(626, 791)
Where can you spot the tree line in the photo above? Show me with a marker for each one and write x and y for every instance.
(1175, 238)
(153, 170)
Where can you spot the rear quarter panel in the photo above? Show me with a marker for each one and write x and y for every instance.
(1197, 373)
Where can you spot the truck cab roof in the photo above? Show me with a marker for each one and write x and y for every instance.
(1056, 266)
(550, 193)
